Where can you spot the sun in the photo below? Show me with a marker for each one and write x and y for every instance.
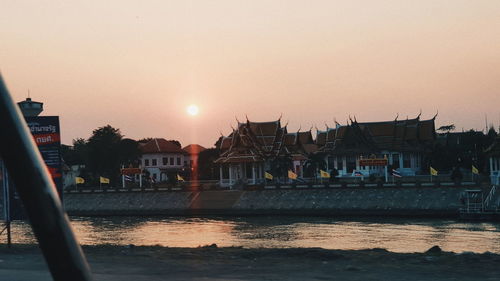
(192, 110)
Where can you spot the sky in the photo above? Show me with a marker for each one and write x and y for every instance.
(137, 65)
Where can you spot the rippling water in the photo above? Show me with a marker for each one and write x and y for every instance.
(397, 235)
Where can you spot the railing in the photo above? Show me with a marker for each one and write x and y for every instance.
(489, 199)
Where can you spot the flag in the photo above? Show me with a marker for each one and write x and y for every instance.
(103, 180)
(292, 175)
(79, 180)
(433, 171)
(396, 174)
(268, 176)
(179, 178)
(357, 173)
(324, 174)
(475, 170)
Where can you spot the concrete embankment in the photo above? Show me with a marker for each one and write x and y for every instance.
(395, 201)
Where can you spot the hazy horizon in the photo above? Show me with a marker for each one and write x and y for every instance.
(137, 65)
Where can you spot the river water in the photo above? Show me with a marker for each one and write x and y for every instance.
(397, 235)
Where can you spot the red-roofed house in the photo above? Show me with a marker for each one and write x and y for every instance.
(193, 150)
(161, 157)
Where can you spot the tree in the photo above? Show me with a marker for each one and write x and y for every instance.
(128, 150)
(314, 163)
(206, 164)
(280, 166)
(104, 152)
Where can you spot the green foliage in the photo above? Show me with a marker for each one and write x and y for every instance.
(314, 163)
(207, 170)
(104, 152)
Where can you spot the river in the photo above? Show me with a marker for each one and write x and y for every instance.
(397, 235)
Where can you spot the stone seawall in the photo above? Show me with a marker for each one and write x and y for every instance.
(404, 201)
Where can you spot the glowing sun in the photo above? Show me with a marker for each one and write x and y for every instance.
(192, 110)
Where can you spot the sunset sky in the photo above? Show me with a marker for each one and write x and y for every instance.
(137, 65)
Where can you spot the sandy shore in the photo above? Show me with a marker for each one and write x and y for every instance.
(24, 262)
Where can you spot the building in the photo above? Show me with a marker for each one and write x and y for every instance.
(191, 158)
(248, 152)
(493, 153)
(162, 158)
(403, 144)
(299, 146)
(30, 108)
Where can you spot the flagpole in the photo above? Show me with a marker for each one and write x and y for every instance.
(123, 178)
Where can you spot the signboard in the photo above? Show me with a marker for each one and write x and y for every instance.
(373, 162)
(131, 171)
(45, 131)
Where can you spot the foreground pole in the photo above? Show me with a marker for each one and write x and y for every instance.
(38, 194)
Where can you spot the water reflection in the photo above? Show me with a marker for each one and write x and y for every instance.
(398, 235)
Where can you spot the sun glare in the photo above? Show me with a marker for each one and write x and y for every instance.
(193, 110)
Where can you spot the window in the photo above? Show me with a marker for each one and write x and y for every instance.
(178, 161)
(155, 163)
(146, 162)
(406, 160)
(165, 161)
(395, 161)
(171, 161)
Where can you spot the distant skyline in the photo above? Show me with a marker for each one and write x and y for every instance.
(138, 65)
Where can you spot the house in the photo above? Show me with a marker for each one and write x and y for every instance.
(403, 145)
(161, 158)
(247, 153)
(191, 158)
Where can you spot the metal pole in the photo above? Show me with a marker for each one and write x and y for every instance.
(37, 191)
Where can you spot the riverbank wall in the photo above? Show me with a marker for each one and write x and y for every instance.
(362, 201)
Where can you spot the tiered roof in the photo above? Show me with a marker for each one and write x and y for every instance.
(253, 142)
(494, 149)
(410, 135)
(300, 144)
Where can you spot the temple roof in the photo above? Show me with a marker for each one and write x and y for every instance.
(494, 149)
(369, 137)
(254, 142)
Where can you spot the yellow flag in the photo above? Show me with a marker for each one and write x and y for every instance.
(79, 180)
(268, 176)
(179, 178)
(475, 170)
(292, 175)
(433, 171)
(324, 174)
(103, 180)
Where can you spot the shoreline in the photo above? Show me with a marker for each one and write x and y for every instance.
(108, 262)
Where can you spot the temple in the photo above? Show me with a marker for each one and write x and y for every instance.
(361, 148)
(246, 153)
(493, 153)
(404, 144)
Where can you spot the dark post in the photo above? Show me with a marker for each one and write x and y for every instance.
(38, 194)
